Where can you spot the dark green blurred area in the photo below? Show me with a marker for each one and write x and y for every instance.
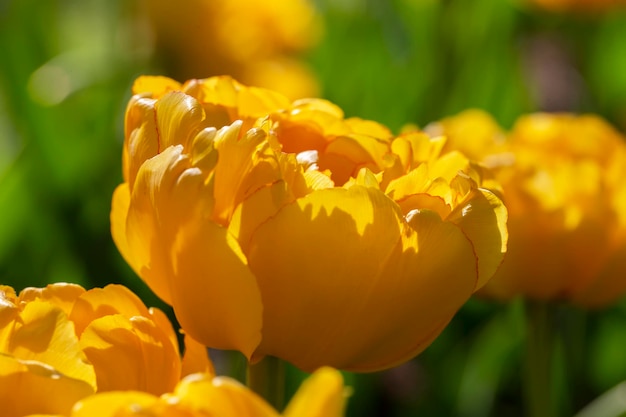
(65, 74)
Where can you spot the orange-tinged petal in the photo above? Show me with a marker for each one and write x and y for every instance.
(345, 155)
(309, 125)
(44, 333)
(483, 219)
(61, 294)
(320, 395)
(220, 396)
(131, 354)
(114, 404)
(30, 387)
(100, 302)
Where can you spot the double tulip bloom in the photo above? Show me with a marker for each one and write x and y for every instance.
(284, 229)
(61, 343)
(563, 181)
(67, 352)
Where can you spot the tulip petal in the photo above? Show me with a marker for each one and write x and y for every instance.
(256, 209)
(369, 128)
(157, 86)
(100, 302)
(346, 248)
(332, 243)
(483, 219)
(216, 298)
(151, 218)
(131, 354)
(415, 148)
(60, 294)
(179, 118)
(142, 136)
(29, 387)
(8, 310)
(118, 218)
(320, 395)
(196, 358)
(258, 102)
(345, 155)
(245, 164)
(114, 404)
(163, 322)
(220, 396)
(44, 333)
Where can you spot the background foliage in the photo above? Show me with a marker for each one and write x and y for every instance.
(65, 76)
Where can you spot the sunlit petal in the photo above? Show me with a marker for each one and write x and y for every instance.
(31, 387)
(321, 395)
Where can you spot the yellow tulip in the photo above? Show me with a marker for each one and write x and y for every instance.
(563, 182)
(67, 343)
(294, 232)
(321, 395)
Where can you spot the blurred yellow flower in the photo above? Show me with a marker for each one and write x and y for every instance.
(564, 183)
(60, 343)
(283, 229)
(321, 395)
(254, 42)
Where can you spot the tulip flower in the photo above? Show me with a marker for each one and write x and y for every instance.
(60, 343)
(321, 395)
(563, 182)
(284, 229)
(257, 43)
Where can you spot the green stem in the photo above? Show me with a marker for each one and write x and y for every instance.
(540, 339)
(267, 379)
